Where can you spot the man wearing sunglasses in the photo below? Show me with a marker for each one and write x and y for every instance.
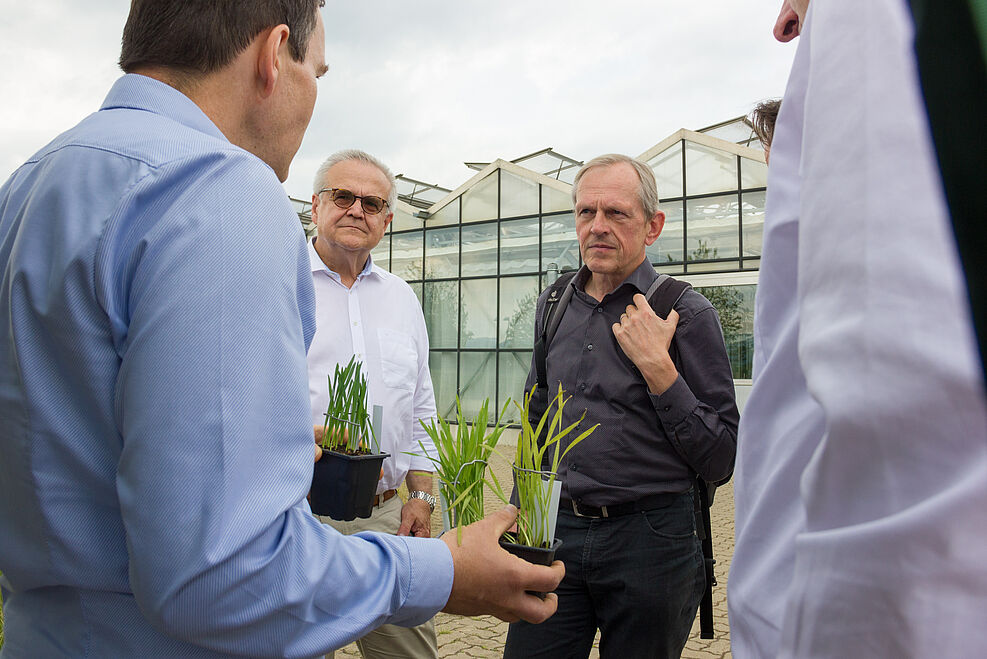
(366, 312)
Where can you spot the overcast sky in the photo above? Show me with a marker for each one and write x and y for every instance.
(426, 85)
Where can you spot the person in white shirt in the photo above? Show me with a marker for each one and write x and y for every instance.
(861, 473)
(365, 311)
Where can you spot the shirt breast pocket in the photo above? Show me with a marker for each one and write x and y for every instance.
(398, 359)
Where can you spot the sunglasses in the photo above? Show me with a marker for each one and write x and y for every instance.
(345, 198)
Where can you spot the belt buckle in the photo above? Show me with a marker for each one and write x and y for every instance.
(575, 510)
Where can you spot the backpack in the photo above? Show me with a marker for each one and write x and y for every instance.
(662, 295)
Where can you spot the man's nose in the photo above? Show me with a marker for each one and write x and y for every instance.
(787, 25)
(599, 224)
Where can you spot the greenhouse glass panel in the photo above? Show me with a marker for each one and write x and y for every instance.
(709, 170)
(667, 166)
(753, 174)
(735, 307)
(518, 296)
(381, 253)
(406, 255)
(559, 244)
(697, 267)
(480, 201)
(713, 228)
(479, 316)
(518, 196)
(753, 218)
(519, 246)
(404, 220)
(445, 216)
(553, 200)
(513, 369)
(669, 246)
(441, 309)
(479, 249)
(477, 381)
(417, 288)
(443, 367)
(736, 131)
(441, 253)
(672, 269)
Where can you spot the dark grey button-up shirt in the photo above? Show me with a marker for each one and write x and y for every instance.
(645, 444)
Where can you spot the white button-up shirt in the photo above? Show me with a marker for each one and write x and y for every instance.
(863, 536)
(380, 321)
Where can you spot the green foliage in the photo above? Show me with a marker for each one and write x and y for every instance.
(729, 304)
(462, 462)
(536, 465)
(519, 326)
(347, 420)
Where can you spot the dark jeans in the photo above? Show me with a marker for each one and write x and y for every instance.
(638, 578)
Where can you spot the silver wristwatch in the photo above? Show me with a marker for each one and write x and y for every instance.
(424, 496)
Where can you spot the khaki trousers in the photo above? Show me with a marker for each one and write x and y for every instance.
(388, 641)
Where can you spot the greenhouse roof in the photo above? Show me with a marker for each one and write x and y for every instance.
(546, 162)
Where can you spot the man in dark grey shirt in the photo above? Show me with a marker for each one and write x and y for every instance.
(634, 566)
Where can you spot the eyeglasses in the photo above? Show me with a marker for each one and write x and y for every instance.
(371, 204)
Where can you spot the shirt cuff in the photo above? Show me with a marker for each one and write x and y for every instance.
(673, 406)
(419, 463)
(431, 580)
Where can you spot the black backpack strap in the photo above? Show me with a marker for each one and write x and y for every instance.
(706, 537)
(555, 305)
(663, 295)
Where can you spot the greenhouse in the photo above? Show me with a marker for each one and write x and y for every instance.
(479, 255)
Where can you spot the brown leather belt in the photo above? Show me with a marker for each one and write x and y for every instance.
(384, 496)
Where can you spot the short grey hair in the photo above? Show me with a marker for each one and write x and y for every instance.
(361, 156)
(647, 189)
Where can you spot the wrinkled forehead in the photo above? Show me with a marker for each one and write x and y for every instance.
(358, 176)
(613, 182)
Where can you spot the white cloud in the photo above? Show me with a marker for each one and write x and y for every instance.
(428, 85)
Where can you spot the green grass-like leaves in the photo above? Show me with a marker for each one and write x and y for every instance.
(347, 420)
(536, 464)
(462, 460)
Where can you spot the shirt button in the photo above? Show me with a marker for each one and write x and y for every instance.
(667, 408)
(574, 467)
(582, 387)
(599, 310)
(589, 347)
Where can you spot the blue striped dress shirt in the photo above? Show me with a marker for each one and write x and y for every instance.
(155, 444)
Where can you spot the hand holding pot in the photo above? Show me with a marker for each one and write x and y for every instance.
(318, 438)
(489, 580)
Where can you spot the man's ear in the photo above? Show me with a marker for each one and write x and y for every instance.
(271, 58)
(387, 220)
(315, 207)
(655, 225)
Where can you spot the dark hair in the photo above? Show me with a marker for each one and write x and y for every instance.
(763, 118)
(202, 36)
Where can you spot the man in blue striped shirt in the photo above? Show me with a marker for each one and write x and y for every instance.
(157, 303)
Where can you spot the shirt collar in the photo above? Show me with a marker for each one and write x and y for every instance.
(318, 265)
(138, 92)
(641, 278)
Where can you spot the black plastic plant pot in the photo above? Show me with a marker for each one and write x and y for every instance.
(536, 555)
(343, 486)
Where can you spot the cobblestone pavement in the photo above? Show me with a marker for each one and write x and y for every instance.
(483, 636)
